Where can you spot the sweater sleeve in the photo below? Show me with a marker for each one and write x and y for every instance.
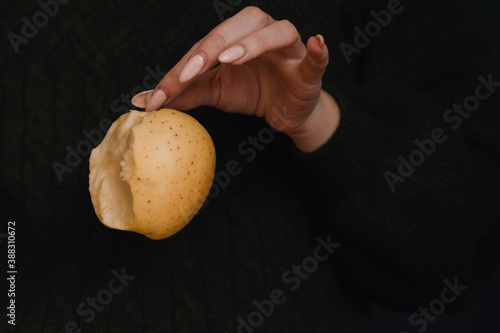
(400, 178)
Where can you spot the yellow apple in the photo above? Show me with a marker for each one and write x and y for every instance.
(152, 172)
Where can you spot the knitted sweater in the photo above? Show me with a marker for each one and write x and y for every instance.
(410, 178)
(290, 242)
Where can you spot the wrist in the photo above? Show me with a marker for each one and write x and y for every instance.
(319, 127)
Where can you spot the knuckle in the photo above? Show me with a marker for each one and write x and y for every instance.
(217, 40)
(174, 73)
(257, 15)
(290, 30)
(196, 45)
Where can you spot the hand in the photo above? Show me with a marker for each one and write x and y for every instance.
(265, 70)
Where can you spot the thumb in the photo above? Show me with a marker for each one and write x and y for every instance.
(314, 63)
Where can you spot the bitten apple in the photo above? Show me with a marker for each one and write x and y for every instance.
(152, 172)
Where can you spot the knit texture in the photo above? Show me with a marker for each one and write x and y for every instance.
(441, 221)
(82, 68)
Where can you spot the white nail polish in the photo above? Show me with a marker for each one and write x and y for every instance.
(193, 67)
(232, 54)
(140, 100)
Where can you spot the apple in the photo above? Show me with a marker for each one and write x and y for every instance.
(152, 172)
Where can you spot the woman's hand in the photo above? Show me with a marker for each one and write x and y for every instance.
(265, 70)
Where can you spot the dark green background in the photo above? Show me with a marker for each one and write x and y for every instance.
(64, 81)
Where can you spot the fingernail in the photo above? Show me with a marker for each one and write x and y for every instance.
(141, 99)
(321, 40)
(159, 97)
(232, 54)
(193, 67)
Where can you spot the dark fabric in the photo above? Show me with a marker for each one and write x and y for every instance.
(81, 68)
(443, 220)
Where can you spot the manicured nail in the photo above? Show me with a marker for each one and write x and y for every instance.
(232, 54)
(141, 99)
(193, 67)
(321, 40)
(159, 97)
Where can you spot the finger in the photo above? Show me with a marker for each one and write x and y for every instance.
(244, 23)
(314, 63)
(168, 87)
(276, 36)
(204, 54)
(203, 91)
(141, 98)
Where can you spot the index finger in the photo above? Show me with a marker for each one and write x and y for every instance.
(204, 54)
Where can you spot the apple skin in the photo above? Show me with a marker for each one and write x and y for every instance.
(152, 172)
